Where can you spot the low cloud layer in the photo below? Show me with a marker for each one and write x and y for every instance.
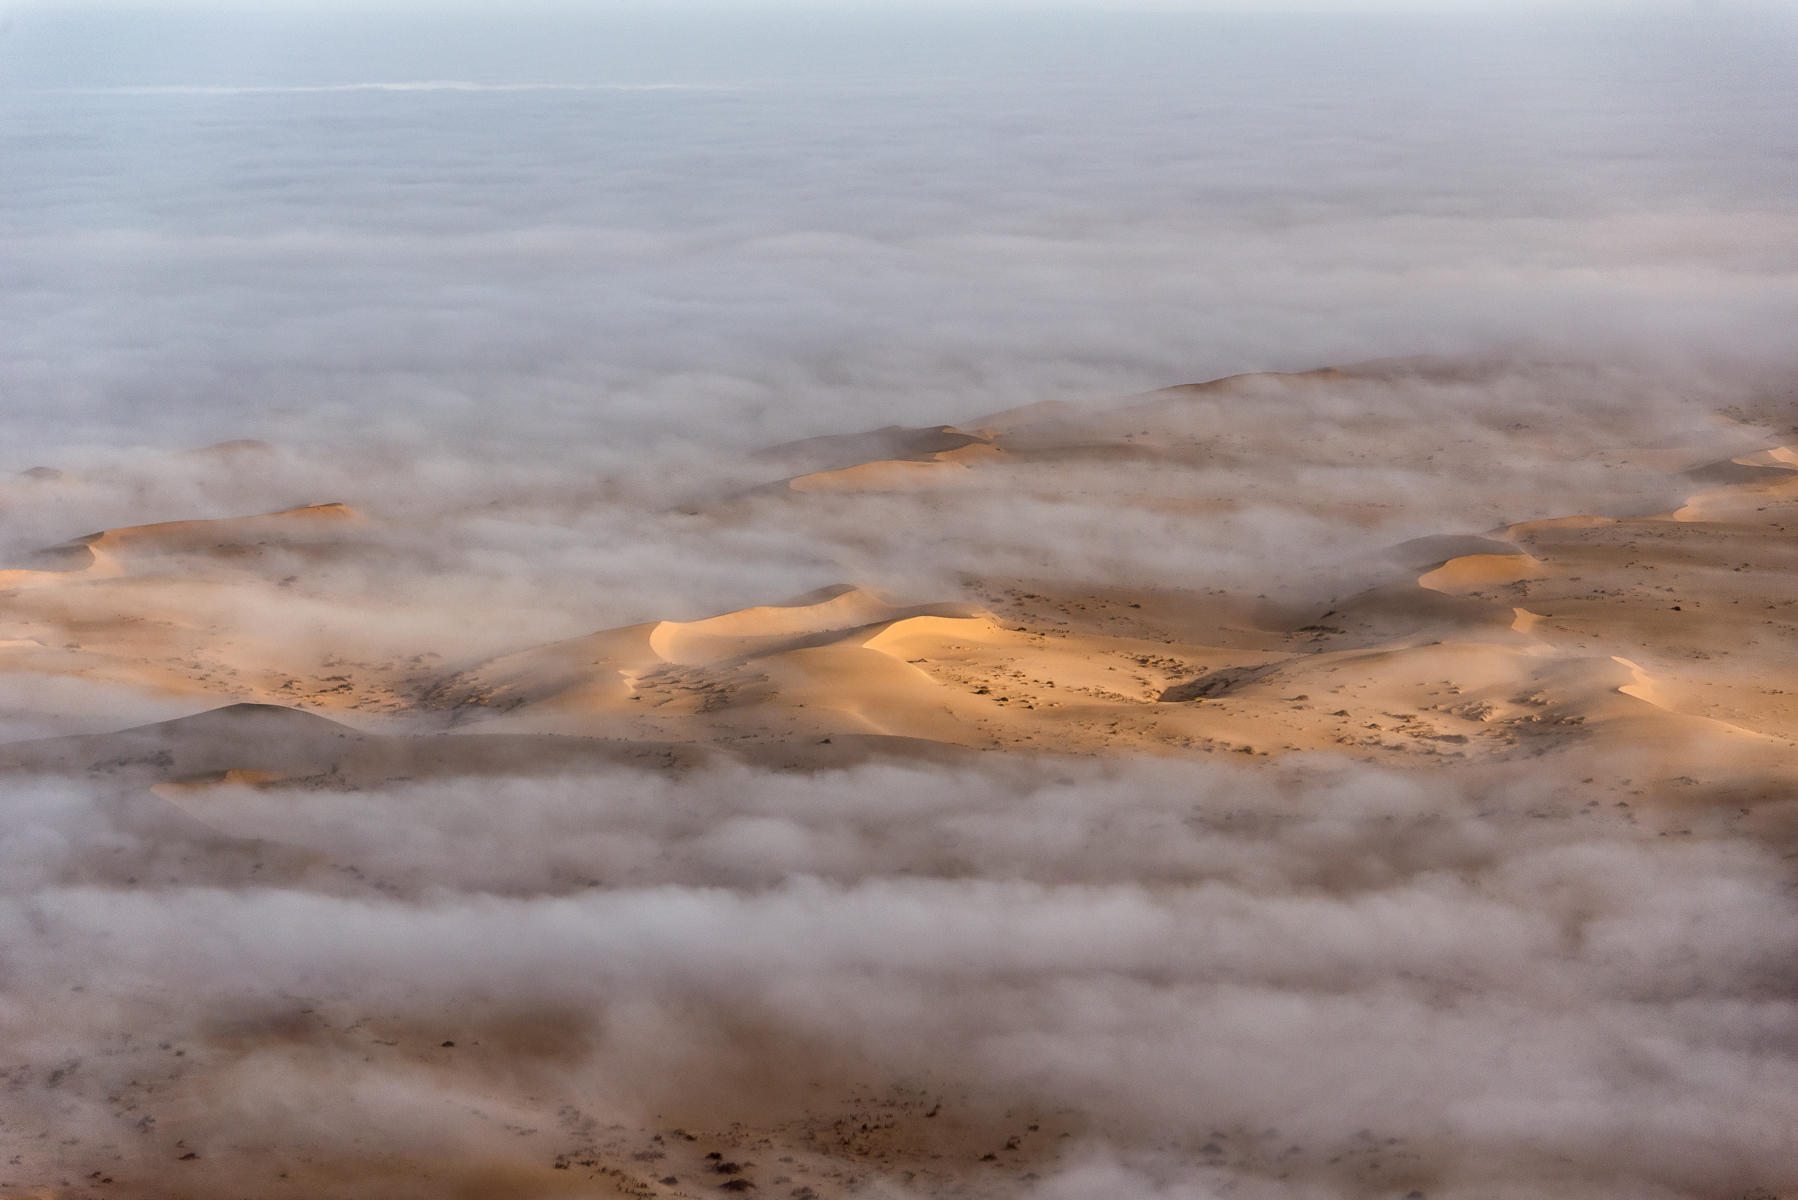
(797, 240)
(1292, 489)
(1339, 976)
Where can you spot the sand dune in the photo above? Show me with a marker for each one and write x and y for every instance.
(105, 554)
(1477, 572)
(1008, 663)
(176, 608)
(756, 666)
(1774, 456)
(898, 474)
(836, 451)
(898, 459)
(230, 535)
(1064, 672)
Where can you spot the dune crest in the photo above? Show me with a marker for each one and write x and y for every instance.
(1476, 572)
(218, 532)
(102, 554)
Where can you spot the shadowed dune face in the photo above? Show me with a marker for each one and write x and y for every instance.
(1253, 788)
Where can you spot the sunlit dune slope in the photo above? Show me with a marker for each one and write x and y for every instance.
(1463, 644)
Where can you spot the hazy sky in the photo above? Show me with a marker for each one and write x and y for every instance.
(762, 224)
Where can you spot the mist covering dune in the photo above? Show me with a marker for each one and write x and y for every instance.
(1146, 628)
(1281, 848)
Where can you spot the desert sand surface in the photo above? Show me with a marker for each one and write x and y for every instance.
(1374, 782)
